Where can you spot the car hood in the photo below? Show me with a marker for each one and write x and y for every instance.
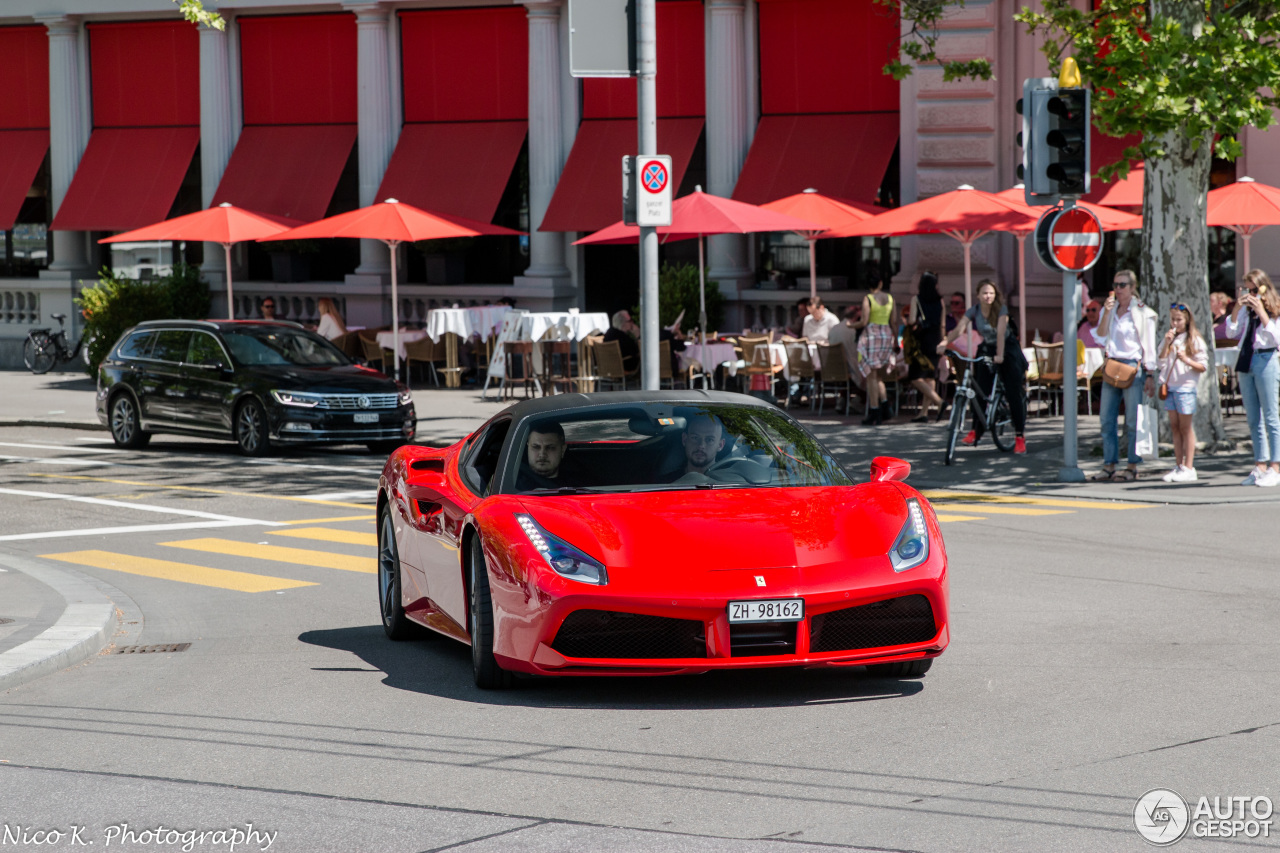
(339, 379)
(716, 530)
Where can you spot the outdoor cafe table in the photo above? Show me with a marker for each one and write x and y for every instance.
(455, 324)
(386, 339)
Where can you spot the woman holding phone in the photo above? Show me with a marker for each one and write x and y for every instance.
(1183, 360)
(1256, 324)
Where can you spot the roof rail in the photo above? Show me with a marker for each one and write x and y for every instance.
(206, 323)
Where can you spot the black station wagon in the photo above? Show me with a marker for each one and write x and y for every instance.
(257, 383)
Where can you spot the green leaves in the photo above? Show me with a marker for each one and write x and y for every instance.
(194, 11)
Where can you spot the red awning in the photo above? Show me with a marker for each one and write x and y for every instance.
(454, 167)
(589, 195)
(843, 155)
(127, 178)
(21, 153)
(287, 170)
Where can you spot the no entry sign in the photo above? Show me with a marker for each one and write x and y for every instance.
(1075, 239)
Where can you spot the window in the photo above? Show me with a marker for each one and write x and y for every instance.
(137, 345)
(171, 345)
(205, 349)
(282, 345)
(483, 461)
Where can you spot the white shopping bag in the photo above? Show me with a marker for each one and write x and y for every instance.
(1148, 429)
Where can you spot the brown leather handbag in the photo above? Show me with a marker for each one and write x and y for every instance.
(1117, 374)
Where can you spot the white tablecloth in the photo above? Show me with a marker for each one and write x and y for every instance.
(1093, 358)
(563, 325)
(717, 354)
(481, 320)
(1226, 357)
(406, 336)
(778, 354)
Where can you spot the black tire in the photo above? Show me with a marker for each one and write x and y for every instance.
(900, 669)
(251, 429)
(384, 448)
(39, 353)
(394, 622)
(954, 426)
(488, 675)
(1002, 428)
(124, 423)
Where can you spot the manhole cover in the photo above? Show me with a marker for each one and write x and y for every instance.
(149, 650)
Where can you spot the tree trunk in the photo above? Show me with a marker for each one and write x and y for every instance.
(1175, 257)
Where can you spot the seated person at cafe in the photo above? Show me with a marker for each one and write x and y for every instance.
(544, 465)
(1087, 330)
(331, 325)
(818, 324)
(625, 333)
(702, 440)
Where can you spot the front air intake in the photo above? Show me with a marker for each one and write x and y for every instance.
(893, 622)
(609, 634)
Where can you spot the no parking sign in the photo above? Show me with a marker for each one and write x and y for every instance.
(653, 201)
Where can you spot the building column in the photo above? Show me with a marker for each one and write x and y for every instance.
(68, 136)
(546, 138)
(728, 130)
(217, 133)
(373, 117)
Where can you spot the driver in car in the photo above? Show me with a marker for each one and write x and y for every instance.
(702, 439)
(544, 465)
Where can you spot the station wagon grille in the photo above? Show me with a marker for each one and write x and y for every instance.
(605, 634)
(894, 622)
(352, 401)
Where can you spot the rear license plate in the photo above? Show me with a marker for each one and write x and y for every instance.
(770, 610)
(366, 417)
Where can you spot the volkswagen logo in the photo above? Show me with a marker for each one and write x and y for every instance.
(364, 402)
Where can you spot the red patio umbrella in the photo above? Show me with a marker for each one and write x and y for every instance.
(1246, 207)
(831, 212)
(393, 223)
(223, 224)
(964, 214)
(697, 215)
(1126, 193)
(1111, 219)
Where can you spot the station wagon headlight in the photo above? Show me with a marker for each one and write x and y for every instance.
(294, 398)
(403, 394)
(564, 559)
(911, 548)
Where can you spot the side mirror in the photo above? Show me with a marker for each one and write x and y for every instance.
(885, 468)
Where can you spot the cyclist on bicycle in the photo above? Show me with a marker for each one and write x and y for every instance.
(990, 319)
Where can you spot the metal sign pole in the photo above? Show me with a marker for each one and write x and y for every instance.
(1070, 471)
(647, 119)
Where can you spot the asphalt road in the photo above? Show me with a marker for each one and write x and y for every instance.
(1099, 650)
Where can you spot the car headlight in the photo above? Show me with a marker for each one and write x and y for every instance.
(911, 548)
(564, 559)
(294, 398)
(403, 394)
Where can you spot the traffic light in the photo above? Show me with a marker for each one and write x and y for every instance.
(1068, 136)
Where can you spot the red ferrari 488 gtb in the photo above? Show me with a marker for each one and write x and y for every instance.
(658, 532)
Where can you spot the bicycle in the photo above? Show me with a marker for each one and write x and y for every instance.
(990, 411)
(42, 350)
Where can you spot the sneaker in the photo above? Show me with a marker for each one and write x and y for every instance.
(1185, 475)
(1019, 445)
(1252, 479)
(1268, 479)
(970, 439)
(1172, 476)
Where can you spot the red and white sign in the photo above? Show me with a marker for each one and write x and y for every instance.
(653, 205)
(1075, 239)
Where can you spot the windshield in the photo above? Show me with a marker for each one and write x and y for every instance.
(660, 446)
(254, 345)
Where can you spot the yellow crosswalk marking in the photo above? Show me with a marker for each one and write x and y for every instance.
(997, 510)
(330, 534)
(942, 517)
(985, 499)
(184, 572)
(297, 556)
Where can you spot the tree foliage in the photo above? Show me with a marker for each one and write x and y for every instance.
(194, 11)
(117, 303)
(678, 291)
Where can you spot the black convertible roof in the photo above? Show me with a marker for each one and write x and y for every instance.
(569, 402)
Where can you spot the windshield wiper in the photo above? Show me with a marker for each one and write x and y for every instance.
(569, 490)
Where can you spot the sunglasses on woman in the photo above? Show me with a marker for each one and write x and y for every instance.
(1178, 306)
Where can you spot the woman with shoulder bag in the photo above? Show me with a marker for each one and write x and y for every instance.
(1128, 332)
(924, 331)
(990, 319)
(1256, 323)
(1183, 360)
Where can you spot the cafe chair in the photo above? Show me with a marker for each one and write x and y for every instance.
(425, 352)
(373, 352)
(519, 355)
(835, 374)
(608, 359)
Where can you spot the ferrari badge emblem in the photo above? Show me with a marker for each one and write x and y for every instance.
(759, 580)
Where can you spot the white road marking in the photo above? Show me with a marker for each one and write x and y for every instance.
(164, 510)
(132, 528)
(60, 447)
(366, 494)
(96, 440)
(55, 460)
(343, 468)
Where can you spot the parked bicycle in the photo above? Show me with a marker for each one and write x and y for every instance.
(43, 349)
(990, 410)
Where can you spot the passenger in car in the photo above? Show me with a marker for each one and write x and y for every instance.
(702, 440)
(544, 465)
